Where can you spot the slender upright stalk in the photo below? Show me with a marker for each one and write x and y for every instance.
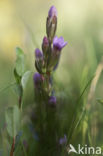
(46, 62)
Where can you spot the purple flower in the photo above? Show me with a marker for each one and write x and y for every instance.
(63, 140)
(52, 101)
(38, 54)
(39, 60)
(51, 24)
(58, 43)
(52, 12)
(45, 44)
(37, 79)
(45, 41)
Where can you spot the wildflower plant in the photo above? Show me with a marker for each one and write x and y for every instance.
(46, 61)
(45, 126)
(47, 122)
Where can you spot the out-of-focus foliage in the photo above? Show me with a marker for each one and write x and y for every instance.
(80, 22)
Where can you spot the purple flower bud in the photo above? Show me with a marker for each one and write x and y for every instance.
(38, 54)
(45, 41)
(63, 140)
(37, 79)
(39, 61)
(58, 43)
(52, 101)
(45, 44)
(51, 24)
(52, 12)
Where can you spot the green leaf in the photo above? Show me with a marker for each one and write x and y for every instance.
(20, 61)
(25, 78)
(12, 117)
(17, 77)
(84, 129)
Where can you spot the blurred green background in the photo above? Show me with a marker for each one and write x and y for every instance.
(80, 22)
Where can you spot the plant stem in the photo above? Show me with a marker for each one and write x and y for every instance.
(12, 147)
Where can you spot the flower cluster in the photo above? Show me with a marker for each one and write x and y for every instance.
(47, 59)
(47, 123)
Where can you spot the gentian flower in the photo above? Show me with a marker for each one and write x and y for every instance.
(52, 101)
(38, 54)
(63, 140)
(37, 80)
(46, 61)
(58, 43)
(52, 12)
(39, 61)
(51, 24)
(45, 45)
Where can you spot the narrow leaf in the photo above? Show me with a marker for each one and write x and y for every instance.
(12, 116)
(25, 78)
(20, 64)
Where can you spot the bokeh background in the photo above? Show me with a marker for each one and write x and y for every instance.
(80, 22)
